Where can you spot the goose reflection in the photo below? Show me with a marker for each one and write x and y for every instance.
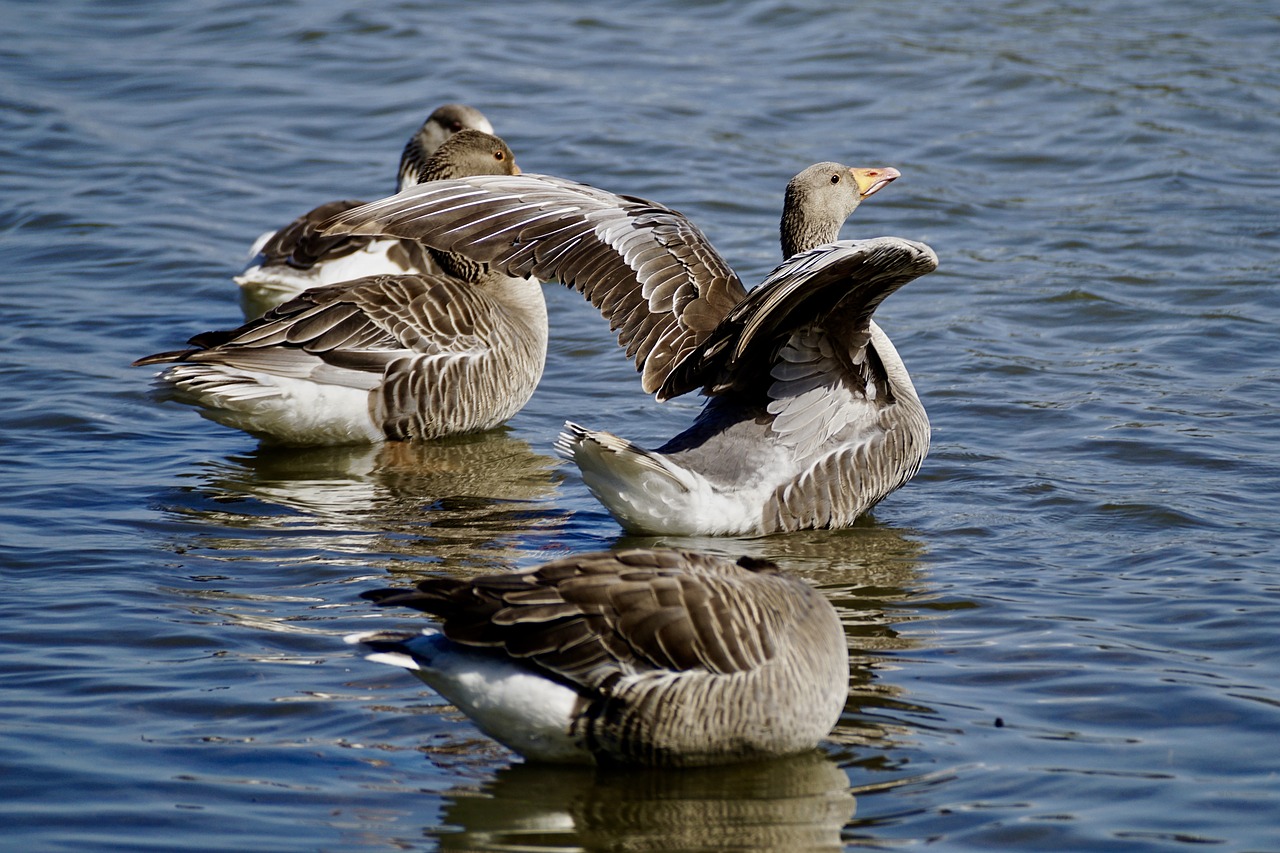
(868, 553)
(481, 500)
(798, 803)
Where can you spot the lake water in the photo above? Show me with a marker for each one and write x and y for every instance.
(1065, 630)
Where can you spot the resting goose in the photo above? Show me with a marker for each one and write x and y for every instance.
(637, 657)
(811, 418)
(290, 260)
(383, 357)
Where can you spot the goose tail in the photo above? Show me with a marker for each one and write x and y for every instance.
(645, 491)
(394, 648)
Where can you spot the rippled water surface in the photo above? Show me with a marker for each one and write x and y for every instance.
(1065, 631)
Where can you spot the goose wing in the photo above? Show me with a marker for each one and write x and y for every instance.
(348, 333)
(594, 618)
(835, 287)
(648, 269)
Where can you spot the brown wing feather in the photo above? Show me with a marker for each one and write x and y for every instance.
(590, 618)
(391, 314)
(301, 245)
(840, 283)
(647, 268)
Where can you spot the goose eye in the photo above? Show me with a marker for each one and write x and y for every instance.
(835, 179)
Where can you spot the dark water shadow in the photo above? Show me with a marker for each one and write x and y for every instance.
(798, 803)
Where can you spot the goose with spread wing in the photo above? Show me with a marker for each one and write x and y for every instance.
(637, 657)
(384, 357)
(811, 416)
(289, 260)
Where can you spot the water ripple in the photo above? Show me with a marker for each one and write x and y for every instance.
(1062, 631)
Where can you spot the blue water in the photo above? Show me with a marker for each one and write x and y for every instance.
(1064, 630)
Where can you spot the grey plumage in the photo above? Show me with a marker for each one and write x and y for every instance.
(444, 121)
(647, 268)
(381, 357)
(801, 382)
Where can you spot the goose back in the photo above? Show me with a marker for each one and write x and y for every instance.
(437, 356)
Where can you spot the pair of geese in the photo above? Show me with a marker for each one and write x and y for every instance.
(644, 656)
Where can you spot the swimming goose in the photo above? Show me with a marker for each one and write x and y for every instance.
(637, 657)
(382, 357)
(811, 418)
(290, 260)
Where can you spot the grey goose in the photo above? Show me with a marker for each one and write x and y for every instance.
(811, 417)
(652, 657)
(383, 357)
(291, 259)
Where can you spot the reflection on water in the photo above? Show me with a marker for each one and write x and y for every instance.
(799, 803)
(332, 481)
(868, 554)
(474, 501)
(487, 503)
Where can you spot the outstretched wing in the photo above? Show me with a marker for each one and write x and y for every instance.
(650, 271)
(836, 287)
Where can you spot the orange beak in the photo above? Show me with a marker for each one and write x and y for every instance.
(871, 181)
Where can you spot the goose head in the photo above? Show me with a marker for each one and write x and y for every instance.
(821, 198)
(443, 123)
(467, 153)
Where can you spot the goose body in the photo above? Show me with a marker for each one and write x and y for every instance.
(652, 657)
(293, 258)
(382, 357)
(811, 416)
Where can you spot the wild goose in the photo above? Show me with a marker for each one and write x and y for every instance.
(383, 357)
(811, 418)
(638, 657)
(290, 260)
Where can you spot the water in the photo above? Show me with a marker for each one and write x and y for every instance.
(1064, 631)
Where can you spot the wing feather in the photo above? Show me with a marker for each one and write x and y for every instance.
(648, 270)
(837, 286)
(593, 618)
(412, 337)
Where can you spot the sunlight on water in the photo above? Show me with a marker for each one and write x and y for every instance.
(1061, 631)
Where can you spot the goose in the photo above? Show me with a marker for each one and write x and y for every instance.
(811, 416)
(386, 357)
(644, 656)
(289, 260)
